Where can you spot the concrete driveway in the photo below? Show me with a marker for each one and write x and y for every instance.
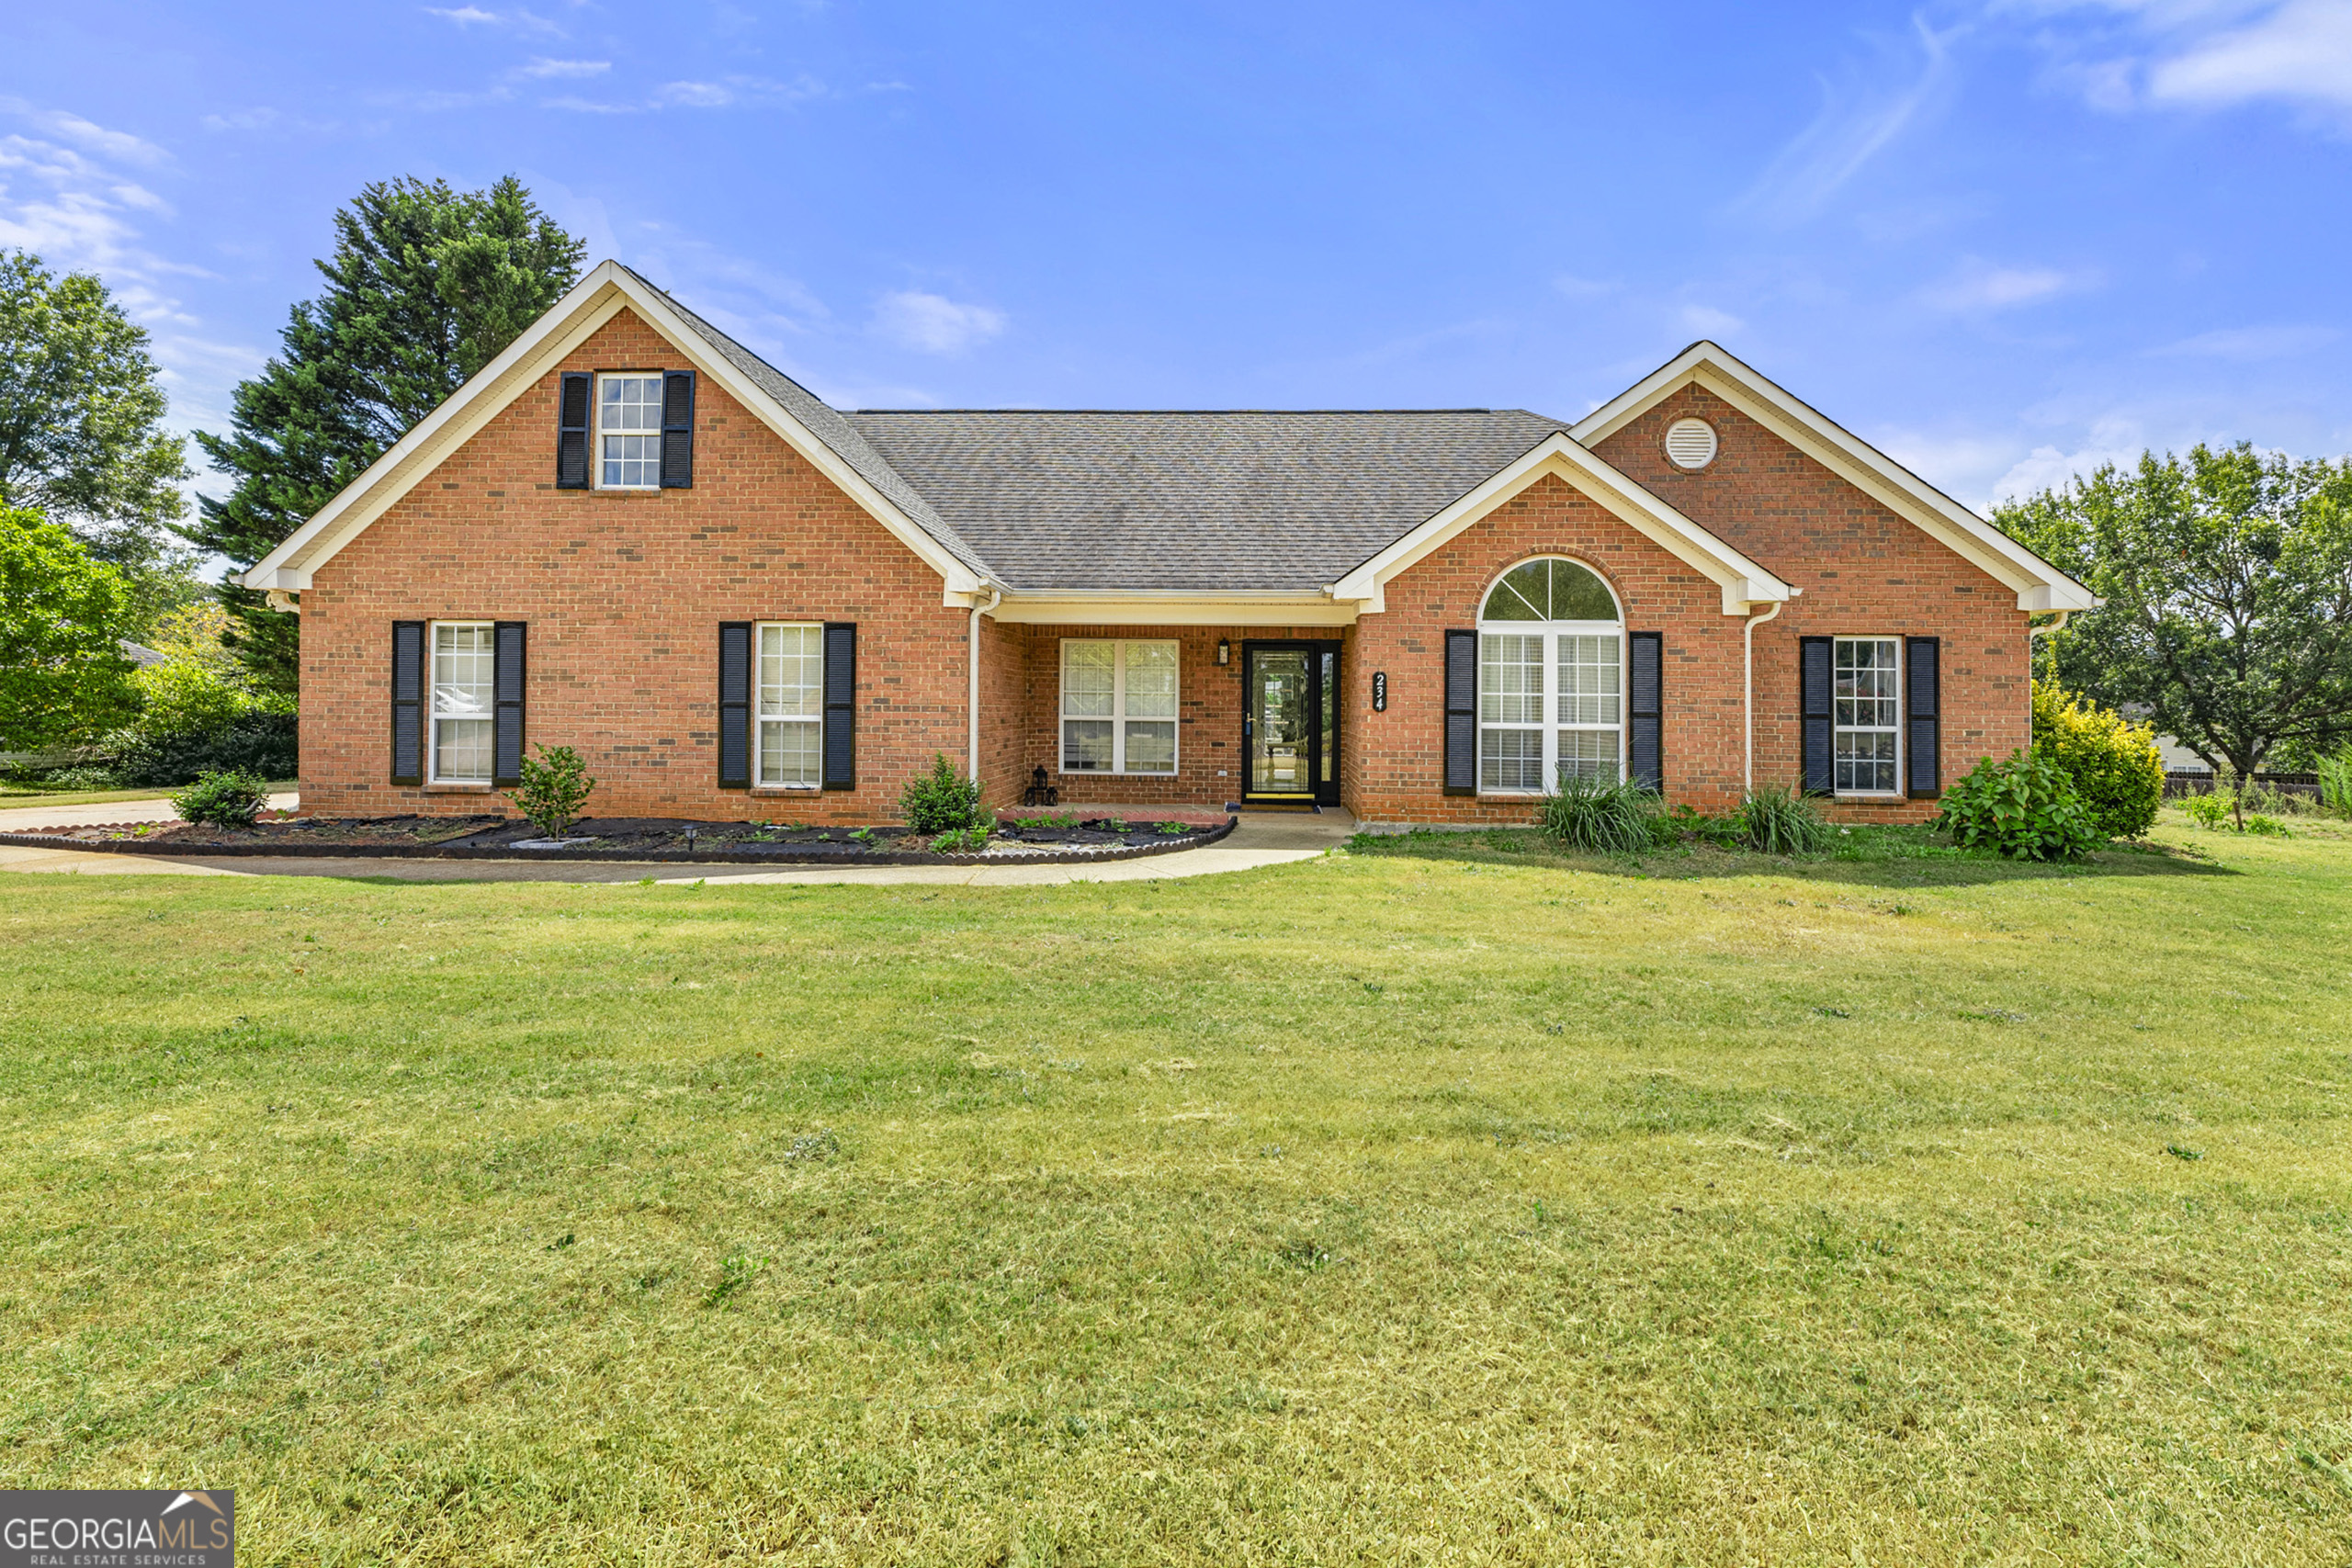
(1260, 839)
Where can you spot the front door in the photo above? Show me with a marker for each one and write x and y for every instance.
(1290, 721)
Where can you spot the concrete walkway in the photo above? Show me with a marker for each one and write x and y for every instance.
(1260, 839)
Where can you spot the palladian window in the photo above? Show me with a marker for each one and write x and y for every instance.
(1550, 680)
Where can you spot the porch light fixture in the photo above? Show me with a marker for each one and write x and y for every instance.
(1224, 651)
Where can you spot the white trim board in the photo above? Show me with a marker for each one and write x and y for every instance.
(594, 302)
(1743, 583)
(2039, 586)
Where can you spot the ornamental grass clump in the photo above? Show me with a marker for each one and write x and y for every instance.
(2112, 763)
(555, 785)
(2335, 781)
(941, 801)
(1604, 816)
(225, 798)
(1778, 820)
(2025, 808)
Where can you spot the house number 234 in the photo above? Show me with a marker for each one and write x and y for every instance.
(1380, 691)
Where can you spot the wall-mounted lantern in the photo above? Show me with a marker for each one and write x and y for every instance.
(1224, 651)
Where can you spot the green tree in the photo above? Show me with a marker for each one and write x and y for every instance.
(81, 428)
(63, 618)
(426, 286)
(2227, 579)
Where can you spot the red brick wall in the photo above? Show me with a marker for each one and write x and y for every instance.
(1865, 571)
(624, 592)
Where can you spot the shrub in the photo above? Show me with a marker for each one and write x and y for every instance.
(1779, 821)
(2025, 808)
(962, 840)
(555, 787)
(2113, 763)
(2209, 811)
(942, 800)
(1610, 816)
(223, 798)
(2265, 826)
(260, 742)
(2335, 781)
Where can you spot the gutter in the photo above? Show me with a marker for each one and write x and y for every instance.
(972, 704)
(1747, 695)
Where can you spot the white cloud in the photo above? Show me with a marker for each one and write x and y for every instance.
(1859, 118)
(1576, 287)
(2250, 343)
(2303, 50)
(697, 95)
(1708, 321)
(2114, 439)
(935, 324)
(543, 68)
(464, 15)
(1979, 285)
(240, 119)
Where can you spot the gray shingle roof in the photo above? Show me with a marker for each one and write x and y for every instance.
(827, 425)
(1208, 501)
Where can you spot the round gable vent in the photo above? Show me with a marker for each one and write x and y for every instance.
(1691, 443)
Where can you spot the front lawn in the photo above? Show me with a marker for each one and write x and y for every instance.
(1440, 1202)
(15, 794)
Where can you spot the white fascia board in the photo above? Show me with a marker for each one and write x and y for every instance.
(593, 303)
(1743, 581)
(2038, 585)
(1173, 607)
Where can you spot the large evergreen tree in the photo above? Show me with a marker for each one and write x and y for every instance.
(80, 429)
(426, 286)
(2227, 582)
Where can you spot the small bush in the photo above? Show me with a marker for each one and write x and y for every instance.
(555, 787)
(1782, 821)
(2266, 827)
(223, 799)
(2209, 811)
(2113, 763)
(941, 801)
(259, 742)
(1608, 816)
(962, 840)
(87, 775)
(2335, 781)
(2025, 808)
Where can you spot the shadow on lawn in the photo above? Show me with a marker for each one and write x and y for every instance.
(1877, 857)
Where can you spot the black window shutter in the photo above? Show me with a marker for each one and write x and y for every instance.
(678, 430)
(1461, 713)
(1646, 708)
(506, 704)
(408, 702)
(1813, 710)
(734, 704)
(573, 408)
(840, 705)
(1923, 691)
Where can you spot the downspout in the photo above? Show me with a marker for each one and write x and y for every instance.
(972, 707)
(1747, 698)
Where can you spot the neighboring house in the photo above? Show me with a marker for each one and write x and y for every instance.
(630, 535)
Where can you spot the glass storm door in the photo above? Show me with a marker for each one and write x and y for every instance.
(1290, 721)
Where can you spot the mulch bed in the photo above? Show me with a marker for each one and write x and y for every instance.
(634, 838)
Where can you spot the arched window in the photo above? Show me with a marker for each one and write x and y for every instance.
(1551, 679)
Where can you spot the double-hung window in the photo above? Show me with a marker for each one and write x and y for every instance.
(629, 432)
(1866, 697)
(788, 739)
(1550, 680)
(464, 690)
(1118, 706)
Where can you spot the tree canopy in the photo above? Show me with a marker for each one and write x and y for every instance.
(81, 425)
(426, 286)
(62, 619)
(2227, 582)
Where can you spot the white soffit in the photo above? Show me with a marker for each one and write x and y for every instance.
(593, 301)
(2039, 586)
(1743, 581)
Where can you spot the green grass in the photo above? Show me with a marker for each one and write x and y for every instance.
(15, 794)
(1439, 1203)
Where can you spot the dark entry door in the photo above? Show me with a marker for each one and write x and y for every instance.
(1290, 721)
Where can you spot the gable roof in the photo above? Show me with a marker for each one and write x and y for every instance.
(1208, 501)
(2039, 586)
(797, 415)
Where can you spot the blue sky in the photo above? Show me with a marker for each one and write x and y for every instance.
(2004, 241)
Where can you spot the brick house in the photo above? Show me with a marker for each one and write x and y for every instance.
(630, 535)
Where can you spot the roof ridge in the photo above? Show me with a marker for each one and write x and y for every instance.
(1016, 409)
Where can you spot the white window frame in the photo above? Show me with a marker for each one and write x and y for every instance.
(1119, 717)
(1837, 662)
(1548, 722)
(760, 720)
(651, 432)
(434, 715)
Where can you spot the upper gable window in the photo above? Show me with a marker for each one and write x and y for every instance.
(629, 432)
